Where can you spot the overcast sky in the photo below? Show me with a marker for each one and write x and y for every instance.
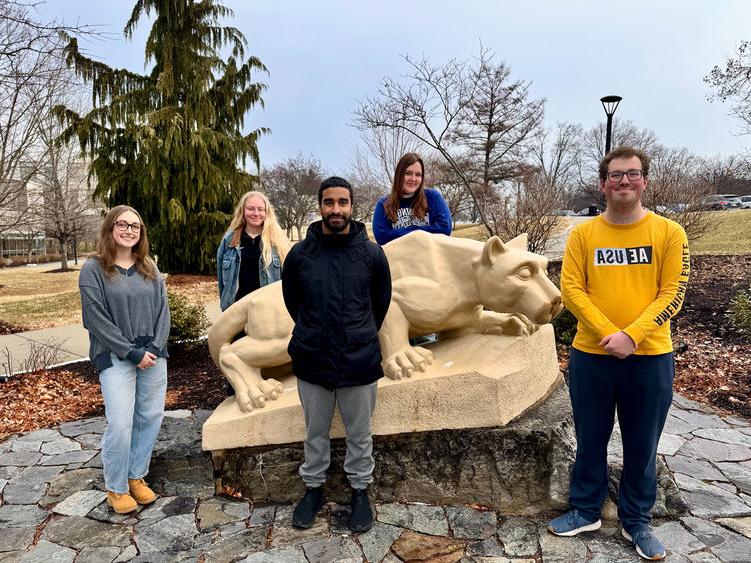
(325, 55)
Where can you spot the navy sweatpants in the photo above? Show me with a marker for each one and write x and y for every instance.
(639, 389)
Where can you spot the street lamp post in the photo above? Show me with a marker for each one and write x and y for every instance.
(609, 104)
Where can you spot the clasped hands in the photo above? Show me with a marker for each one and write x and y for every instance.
(618, 344)
(148, 360)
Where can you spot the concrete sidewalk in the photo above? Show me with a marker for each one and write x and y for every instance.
(72, 341)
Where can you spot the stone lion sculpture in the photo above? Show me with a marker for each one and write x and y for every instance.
(440, 284)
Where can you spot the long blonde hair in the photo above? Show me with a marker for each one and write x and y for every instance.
(106, 250)
(272, 235)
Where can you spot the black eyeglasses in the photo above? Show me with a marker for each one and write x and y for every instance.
(124, 225)
(617, 175)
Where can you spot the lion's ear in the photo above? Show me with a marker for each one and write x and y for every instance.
(493, 248)
(518, 243)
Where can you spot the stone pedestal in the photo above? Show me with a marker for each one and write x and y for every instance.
(521, 468)
(178, 465)
(476, 381)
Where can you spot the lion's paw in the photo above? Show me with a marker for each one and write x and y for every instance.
(259, 393)
(507, 324)
(404, 362)
(515, 326)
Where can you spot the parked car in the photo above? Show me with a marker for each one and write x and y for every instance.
(590, 211)
(564, 212)
(721, 202)
(735, 202)
(745, 201)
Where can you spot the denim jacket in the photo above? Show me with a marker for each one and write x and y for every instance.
(228, 270)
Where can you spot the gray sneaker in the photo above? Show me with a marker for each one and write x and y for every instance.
(572, 523)
(647, 545)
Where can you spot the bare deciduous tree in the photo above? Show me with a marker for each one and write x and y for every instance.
(496, 128)
(292, 186)
(733, 83)
(381, 151)
(676, 189)
(29, 35)
(367, 179)
(723, 175)
(556, 156)
(525, 204)
(68, 212)
(442, 176)
(366, 198)
(30, 82)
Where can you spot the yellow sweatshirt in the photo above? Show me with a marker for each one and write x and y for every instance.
(629, 278)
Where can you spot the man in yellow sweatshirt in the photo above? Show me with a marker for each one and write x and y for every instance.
(624, 276)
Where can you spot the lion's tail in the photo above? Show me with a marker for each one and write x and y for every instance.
(229, 324)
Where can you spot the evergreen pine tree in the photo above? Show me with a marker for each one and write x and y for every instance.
(169, 143)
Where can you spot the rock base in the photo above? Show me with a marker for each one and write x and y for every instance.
(178, 464)
(522, 468)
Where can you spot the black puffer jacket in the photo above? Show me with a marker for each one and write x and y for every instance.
(337, 289)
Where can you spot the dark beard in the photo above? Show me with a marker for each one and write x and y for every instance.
(336, 228)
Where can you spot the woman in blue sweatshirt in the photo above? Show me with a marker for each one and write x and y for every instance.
(410, 206)
(124, 308)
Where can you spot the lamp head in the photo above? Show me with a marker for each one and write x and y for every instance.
(610, 104)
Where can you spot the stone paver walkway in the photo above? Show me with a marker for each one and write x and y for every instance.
(53, 510)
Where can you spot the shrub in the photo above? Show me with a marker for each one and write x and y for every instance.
(188, 321)
(565, 327)
(740, 312)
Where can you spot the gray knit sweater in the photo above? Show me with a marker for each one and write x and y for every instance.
(126, 314)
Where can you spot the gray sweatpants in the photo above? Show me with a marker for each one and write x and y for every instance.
(356, 405)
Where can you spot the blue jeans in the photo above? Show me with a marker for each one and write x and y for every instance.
(134, 405)
(639, 389)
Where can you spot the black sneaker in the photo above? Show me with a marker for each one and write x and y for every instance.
(306, 510)
(361, 515)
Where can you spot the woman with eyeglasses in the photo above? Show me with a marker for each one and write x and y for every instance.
(124, 308)
(252, 252)
(410, 206)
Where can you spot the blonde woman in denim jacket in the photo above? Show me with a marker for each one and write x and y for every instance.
(252, 252)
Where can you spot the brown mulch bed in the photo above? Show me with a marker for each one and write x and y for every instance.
(11, 328)
(713, 362)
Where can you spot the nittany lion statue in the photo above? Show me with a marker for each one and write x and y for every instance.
(440, 284)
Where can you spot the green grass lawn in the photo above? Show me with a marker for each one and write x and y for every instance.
(730, 233)
(43, 312)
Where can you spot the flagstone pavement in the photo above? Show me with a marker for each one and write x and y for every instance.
(53, 510)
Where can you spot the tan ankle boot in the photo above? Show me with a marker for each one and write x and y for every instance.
(140, 491)
(122, 504)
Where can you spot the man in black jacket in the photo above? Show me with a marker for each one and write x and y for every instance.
(337, 289)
